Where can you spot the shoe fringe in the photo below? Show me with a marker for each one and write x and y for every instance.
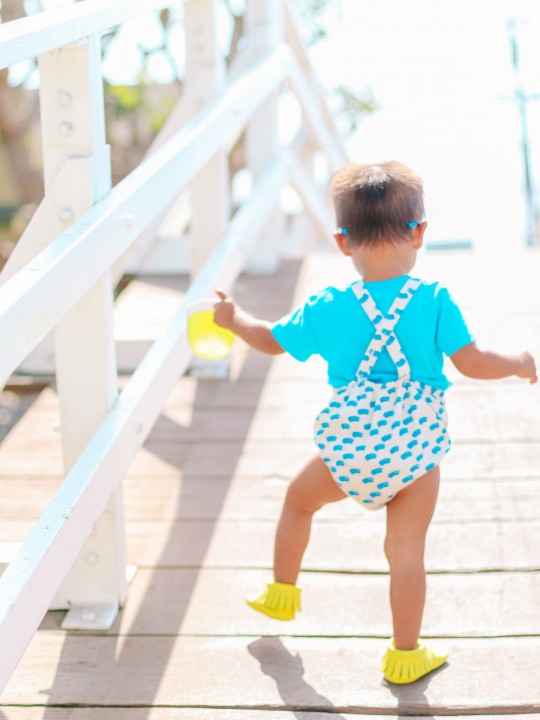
(280, 596)
(405, 666)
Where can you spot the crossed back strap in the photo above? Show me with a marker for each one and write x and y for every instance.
(385, 336)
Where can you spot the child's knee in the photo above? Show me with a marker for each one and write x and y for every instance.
(404, 550)
(298, 499)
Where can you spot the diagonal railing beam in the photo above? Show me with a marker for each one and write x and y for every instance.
(34, 35)
(31, 579)
(34, 300)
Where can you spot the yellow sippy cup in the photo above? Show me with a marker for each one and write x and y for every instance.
(206, 339)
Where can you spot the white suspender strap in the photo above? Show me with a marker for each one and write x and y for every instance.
(384, 328)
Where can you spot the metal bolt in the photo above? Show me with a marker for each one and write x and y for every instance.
(66, 128)
(66, 215)
(65, 98)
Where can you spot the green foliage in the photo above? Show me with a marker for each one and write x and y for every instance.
(350, 105)
(353, 105)
(312, 15)
(124, 99)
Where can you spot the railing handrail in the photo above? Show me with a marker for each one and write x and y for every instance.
(36, 297)
(31, 36)
(49, 282)
(59, 528)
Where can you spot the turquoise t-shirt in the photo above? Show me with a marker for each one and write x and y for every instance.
(333, 324)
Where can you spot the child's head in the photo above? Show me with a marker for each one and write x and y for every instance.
(377, 202)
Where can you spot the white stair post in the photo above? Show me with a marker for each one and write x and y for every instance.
(205, 69)
(73, 125)
(209, 190)
(264, 30)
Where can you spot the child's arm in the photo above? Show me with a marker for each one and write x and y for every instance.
(489, 365)
(255, 332)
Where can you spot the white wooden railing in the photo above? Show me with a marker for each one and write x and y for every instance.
(60, 276)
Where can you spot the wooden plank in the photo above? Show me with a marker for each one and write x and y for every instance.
(511, 461)
(193, 713)
(484, 422)
(479, 487)
(172, 527)
(171, 602)
(467, 547)
(494, 413)
(276, 673)
(180, 497)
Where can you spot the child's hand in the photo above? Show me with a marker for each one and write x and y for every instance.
(256, 333)
(224, 310)
(528, 368)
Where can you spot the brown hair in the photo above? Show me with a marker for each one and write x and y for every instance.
(375, 202)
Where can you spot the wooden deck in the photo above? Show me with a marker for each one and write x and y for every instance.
(202, 500)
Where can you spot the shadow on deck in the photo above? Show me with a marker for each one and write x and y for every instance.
(202, 498)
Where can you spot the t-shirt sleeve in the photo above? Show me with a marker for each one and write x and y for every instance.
(296, 332)
(452, 330)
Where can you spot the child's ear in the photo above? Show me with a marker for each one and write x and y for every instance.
(341, 241)
(418, 235)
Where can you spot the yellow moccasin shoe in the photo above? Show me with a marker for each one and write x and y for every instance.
(406, 666)
(279, 601)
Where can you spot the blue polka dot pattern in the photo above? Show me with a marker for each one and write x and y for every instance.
(378, 441)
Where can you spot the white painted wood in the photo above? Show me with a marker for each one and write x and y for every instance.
(314, 203)
(293, 39)
(30, 581)
(33, 301)
(84, 344)
(131, 350)
(45, 31)
(209, 210)
(165, 251)
(86, 382)
(162, 249)
(8, 551)
(322, 134)
(58, 209)
(141, 314)
(264, 30)
(209, 189)
(64, 201)
(70, 280)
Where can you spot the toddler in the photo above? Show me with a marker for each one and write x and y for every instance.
(382, 436)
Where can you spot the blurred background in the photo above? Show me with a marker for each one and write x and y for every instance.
(450, 88)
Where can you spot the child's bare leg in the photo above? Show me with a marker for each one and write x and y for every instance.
(312, 488)
(408, 518)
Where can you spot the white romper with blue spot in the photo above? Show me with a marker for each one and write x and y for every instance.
(377, 438)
